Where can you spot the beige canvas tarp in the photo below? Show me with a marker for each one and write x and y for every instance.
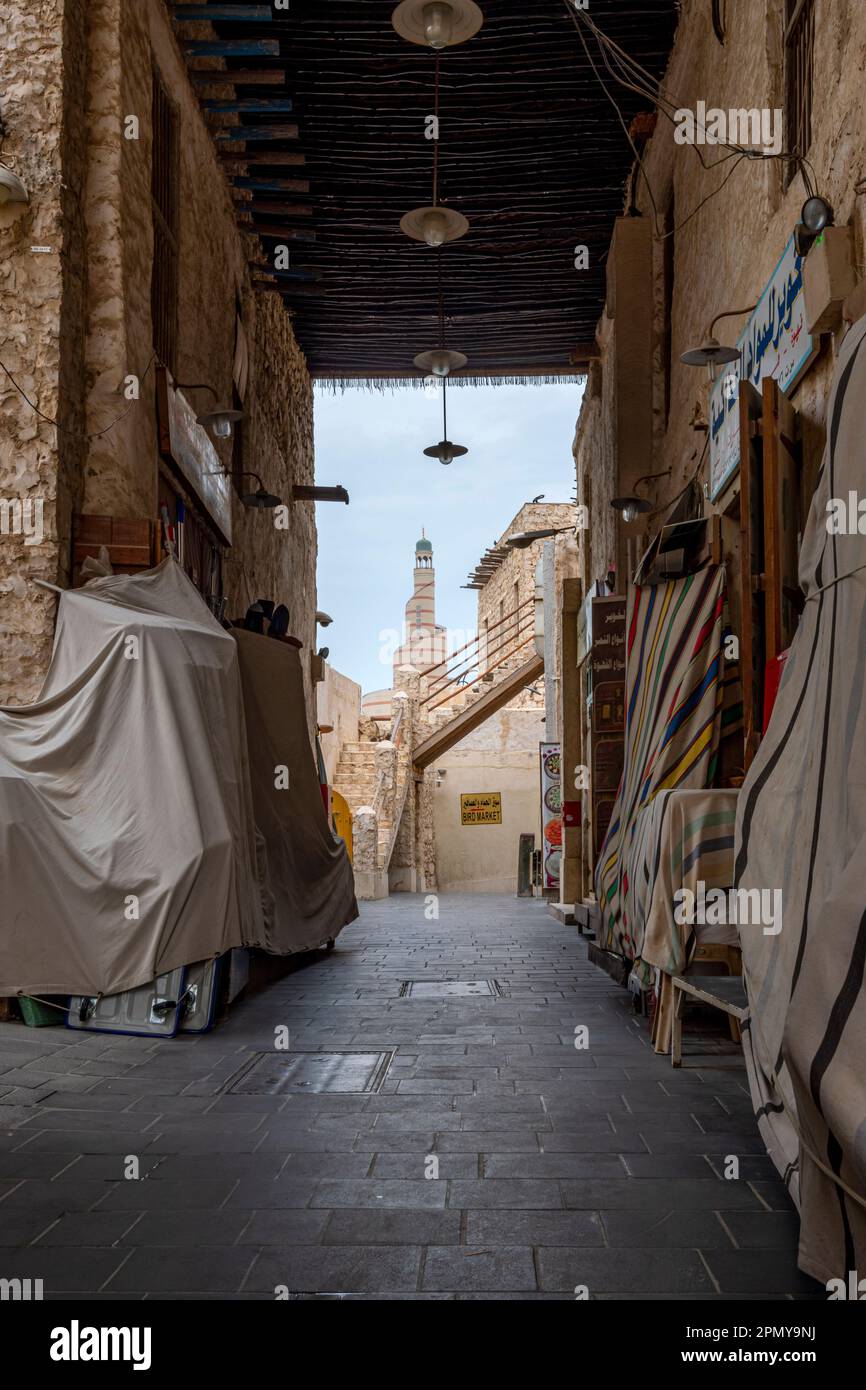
(308, 891)
(801, 828)
(127, 835)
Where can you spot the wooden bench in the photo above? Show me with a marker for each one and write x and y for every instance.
(724, 992)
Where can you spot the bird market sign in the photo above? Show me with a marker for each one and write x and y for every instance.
(481, 808)
(775, 342)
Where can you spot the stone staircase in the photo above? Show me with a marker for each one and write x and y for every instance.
(357, 779)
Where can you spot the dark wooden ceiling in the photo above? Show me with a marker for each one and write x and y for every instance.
(531, 152)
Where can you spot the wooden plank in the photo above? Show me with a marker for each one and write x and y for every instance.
(274, 185)
(224, 14)
(780, 430)
(284, 209)
(260, 157)
(284, 233)
(258, 133)
(462, 724)
(231, 48)
(239, 77)
(297, 275)
(751, 573)
(264, 105)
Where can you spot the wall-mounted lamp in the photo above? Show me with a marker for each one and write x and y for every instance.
(261, 498)
(220, 420)
(522, 540)
(710, 353)
(816, 214)
(304, 492)
(632, 505)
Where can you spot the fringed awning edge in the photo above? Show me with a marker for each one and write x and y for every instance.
(419, 383)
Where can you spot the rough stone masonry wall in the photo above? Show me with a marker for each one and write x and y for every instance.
(42, 65)
(518, 568)
(723, 256)
(119, 474)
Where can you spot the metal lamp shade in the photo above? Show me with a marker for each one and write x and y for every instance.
(220, 422)
(260, 499)
(435, 225)
(440, 361)
(437, 23)
(445, 451)
(711, 353)
(631, 507)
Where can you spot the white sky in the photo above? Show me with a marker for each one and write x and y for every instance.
(519, 441)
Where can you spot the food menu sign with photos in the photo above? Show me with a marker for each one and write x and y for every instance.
(775, 342)
(551, 813)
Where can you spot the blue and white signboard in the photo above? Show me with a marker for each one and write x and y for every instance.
(776, 343)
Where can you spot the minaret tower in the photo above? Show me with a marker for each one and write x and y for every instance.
(424, 643)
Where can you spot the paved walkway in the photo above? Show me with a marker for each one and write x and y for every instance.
(557, 1166)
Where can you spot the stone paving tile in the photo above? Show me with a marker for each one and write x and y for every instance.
(623, 1271)
(602, 1166)
(660, 1194)
(754, 1271)
(502, 1268)
(393, 1227)
(581, 1228)
(337, 1269)
(173, 1268)
(379, 1192)
(668, 1228)
(512, 1193)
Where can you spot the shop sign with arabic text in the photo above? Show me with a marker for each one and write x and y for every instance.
(776, 343)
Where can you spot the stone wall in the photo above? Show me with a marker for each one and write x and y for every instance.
(500, 756)
(516, 576)
(721, 255)
(94, 314)
(338, 703)
(42, 66)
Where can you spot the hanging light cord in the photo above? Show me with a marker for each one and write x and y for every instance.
(444, 407)
(436, 130)
(61, 429)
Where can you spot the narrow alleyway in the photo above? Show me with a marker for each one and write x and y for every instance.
(557, 1166)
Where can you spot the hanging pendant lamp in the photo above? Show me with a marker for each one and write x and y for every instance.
(437, 23)
(445, 451)
(435, 225)
(440, 361)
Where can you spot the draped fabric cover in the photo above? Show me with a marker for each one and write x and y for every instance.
(675, 692)
(308, 889)
(801, 828)
(127, 830)
(127, 845)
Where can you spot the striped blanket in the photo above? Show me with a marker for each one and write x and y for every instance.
(801, 828)
(675, 693)
(689, 845)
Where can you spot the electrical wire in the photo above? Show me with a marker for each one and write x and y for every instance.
(61, 429)
(629, 73)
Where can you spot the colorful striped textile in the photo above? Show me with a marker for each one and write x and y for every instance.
(688, 839)
(801, 828)
(675, 693)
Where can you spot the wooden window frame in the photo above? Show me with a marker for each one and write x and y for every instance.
(165, 215)
(799, 56)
